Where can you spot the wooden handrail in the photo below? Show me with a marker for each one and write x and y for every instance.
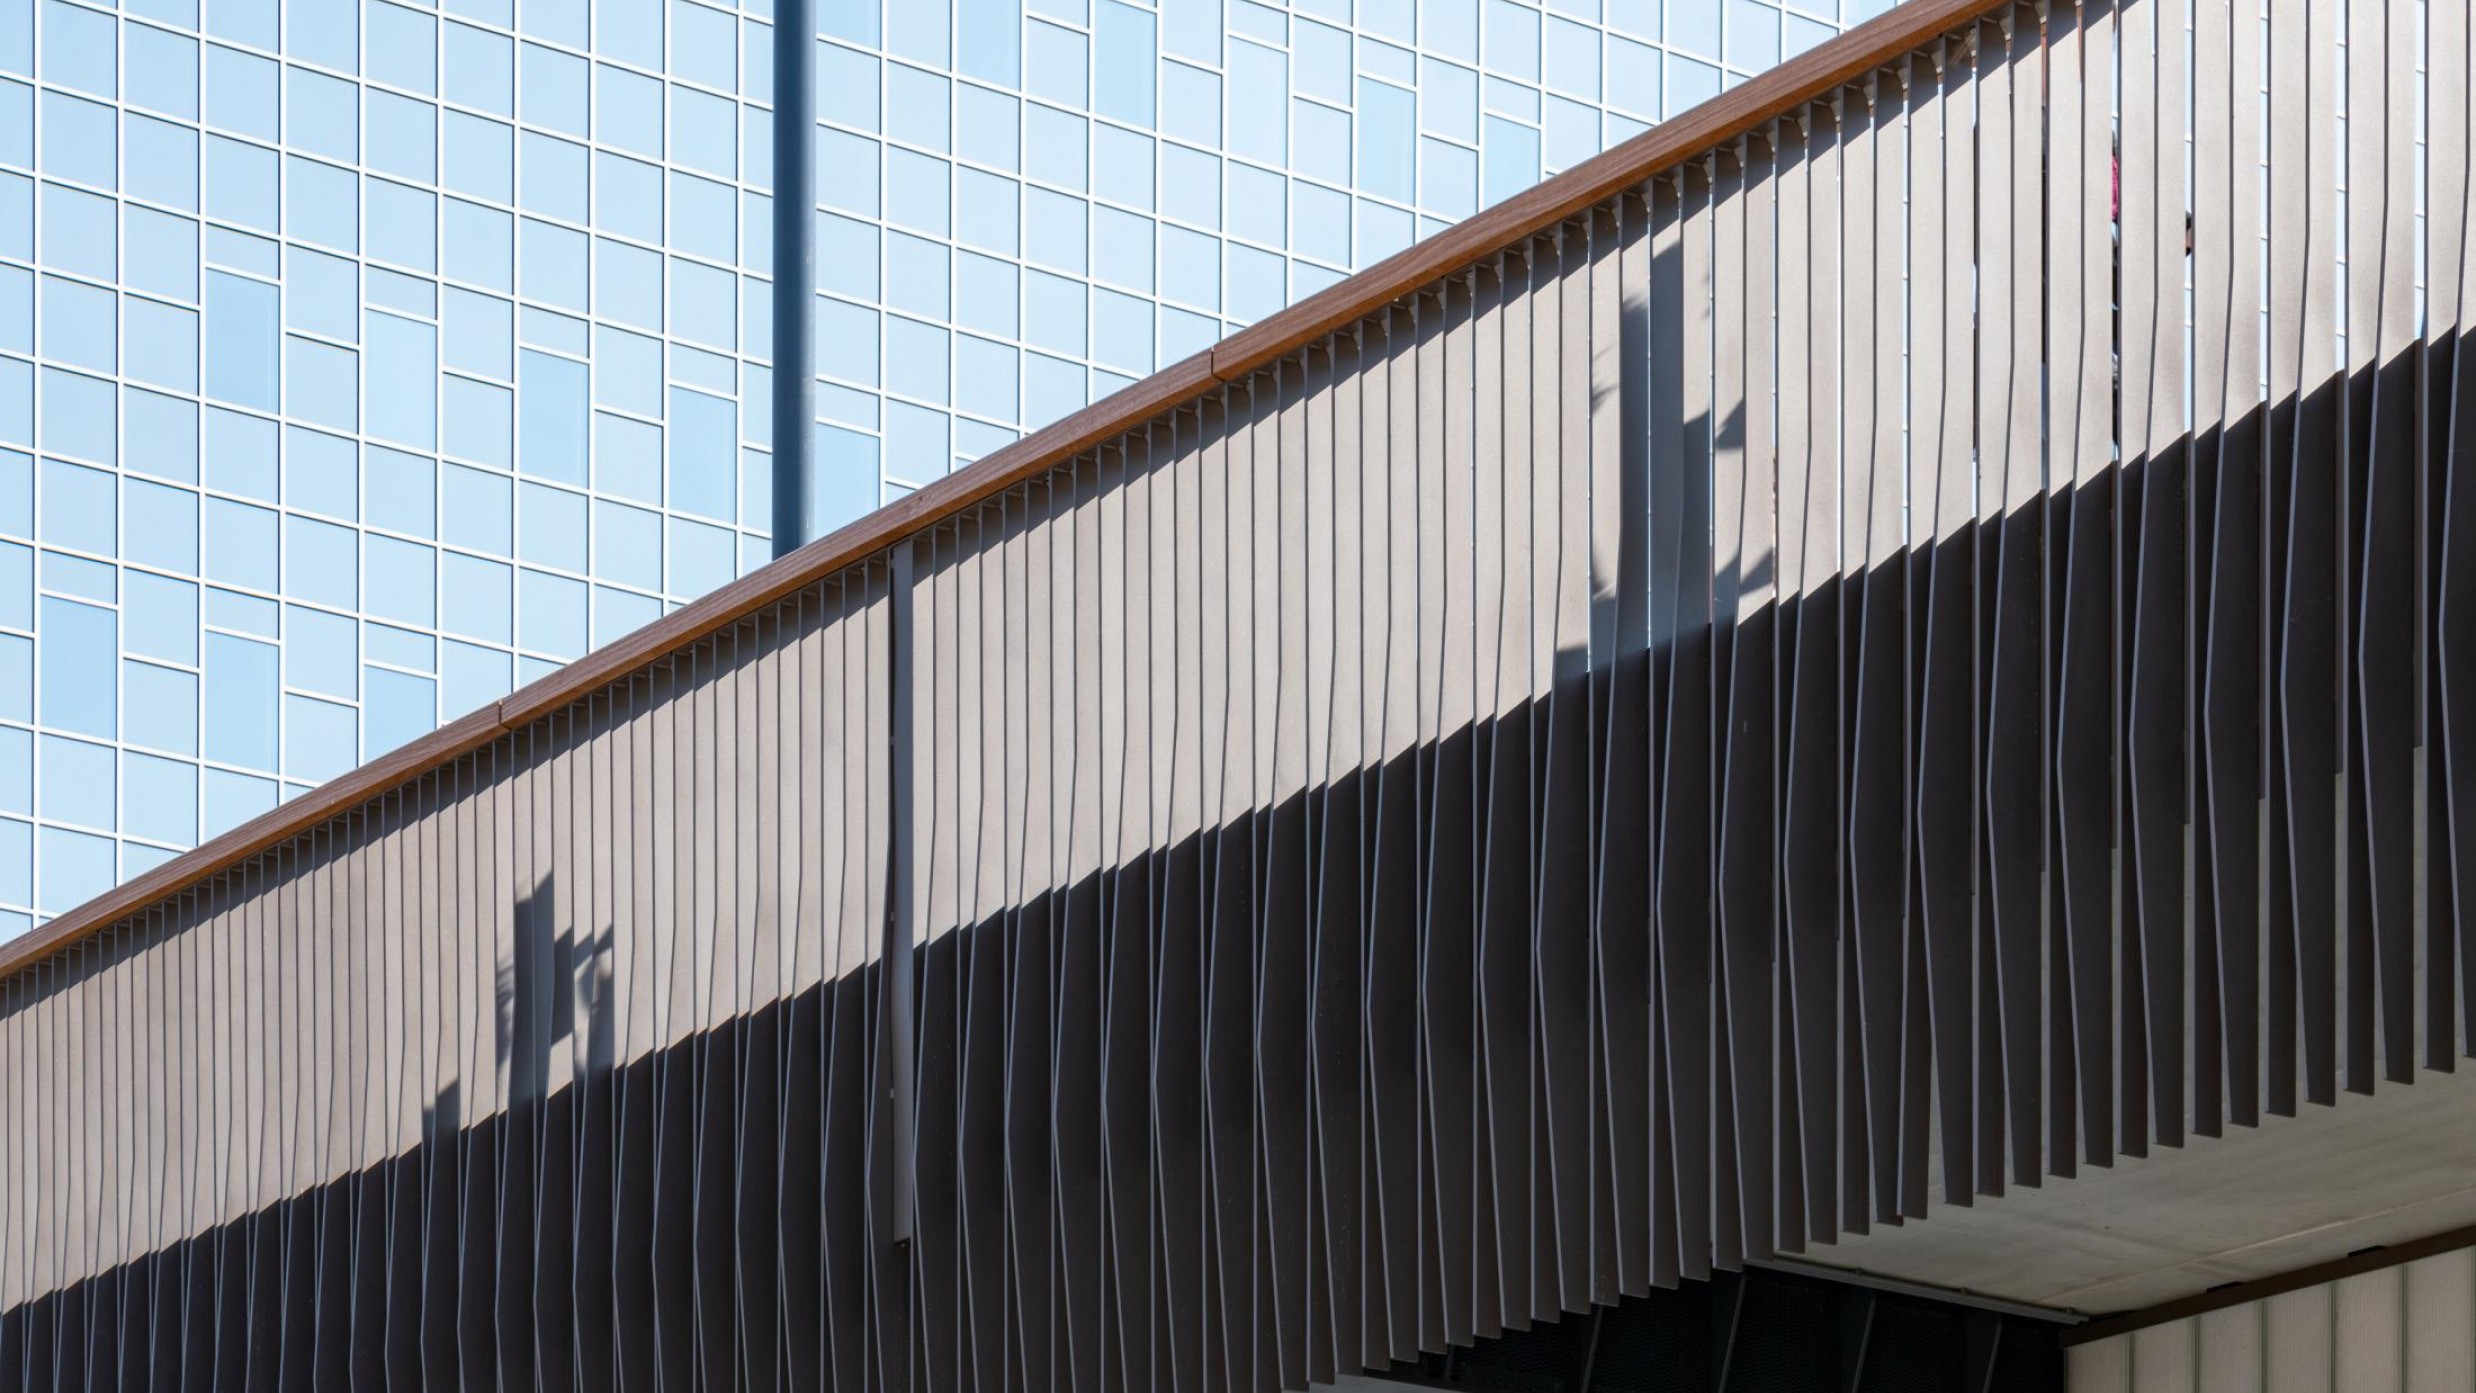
(1745, 108)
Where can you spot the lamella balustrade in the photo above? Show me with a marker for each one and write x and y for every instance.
(1853, 672)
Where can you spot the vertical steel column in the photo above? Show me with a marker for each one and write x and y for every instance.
(795, 267)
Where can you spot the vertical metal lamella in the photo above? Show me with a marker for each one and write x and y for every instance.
(2450, 954)
(1681, 611)
(2383, 652)
(1942, 632)
(2227, 518)
(2012, 489)
(2304, 417)
(1616, 764)
(2083, 753)
(1810, 883)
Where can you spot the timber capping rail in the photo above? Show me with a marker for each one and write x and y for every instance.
(1741, 110)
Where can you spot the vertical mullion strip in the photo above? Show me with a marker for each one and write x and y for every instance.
(1504, 933)
(1620, 596)
(1734, 941)
(2303, 244)
(1075, 1102)
(632, 788)
(332, 931)
(1493, 863)
(980, 1097)
(507, 1120)
(1236, 963)
(113, 1279)
(608, 1063)
(46, 1146)
(601, 1055)
(2154, 525)
(572, 1183)
(270, 1095)
(38, 1088)
(412, 924)
(808, 1080)
(2009, 226)
(107, 1340)
(1754, 792)
(1567, 1021)
(177, 1003)
(1941, 570)
(1743, 490)
(2284, 981)
(1279, 813)
(2139, 166)
(948, 890)
(1682, 558)
(807, 1350)
(2215, 951)
(768, 989)
(841, 674)
(457, 1136)
(1081, 964)
(88, 1198)
(704, 1051)
(2228, 435)
(519, 816)
(939, 923)
(2084, 778)
(1852, 477)
(50, 1146)
(1032, 1209)
(16, 1101)
(1813, 588)
(1395, 888)
(1679, 570)
(1142, 841)
(1212, 654)
(127, 1254)
(1228, 865)
(2063, 194)
(890, 796)
(1914, 344)
(1538, 504)
(1331, 941)
(1975, 404)
(1341, 868)
(1448, 874)
(1177, 1012)
(372, 1000)
(670, 923)
(2381, 629)
(2451, 945)
(1120, 946)
(419, 1077)
(1288, 1063)
(183, 1005)
(757, 1197)
(1877, 817)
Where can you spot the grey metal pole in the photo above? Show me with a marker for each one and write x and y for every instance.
(795, 268)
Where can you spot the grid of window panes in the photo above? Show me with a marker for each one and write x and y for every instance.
(1030, 203)
(359, 360)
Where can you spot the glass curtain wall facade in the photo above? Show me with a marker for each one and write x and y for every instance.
(1031, 203)
(360, 360)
